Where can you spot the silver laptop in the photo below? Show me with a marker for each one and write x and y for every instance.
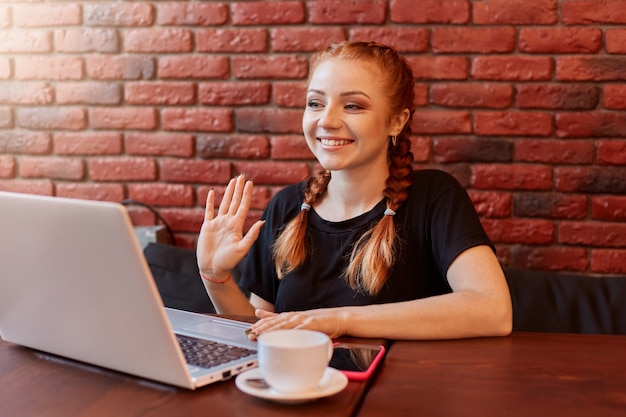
(74, 282)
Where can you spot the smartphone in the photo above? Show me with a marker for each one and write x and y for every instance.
(356, 361)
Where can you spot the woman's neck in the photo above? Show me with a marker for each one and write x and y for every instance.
(347, 197)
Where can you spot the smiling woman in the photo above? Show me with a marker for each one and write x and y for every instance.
(367, 247)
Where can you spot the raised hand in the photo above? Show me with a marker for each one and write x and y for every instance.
(221, 242)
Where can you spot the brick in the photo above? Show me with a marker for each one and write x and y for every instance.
(265, 172)
(183, 219)
(610, 208)
(225, 93)
(25, 41)
(190, 170)
(7, 166)
(118, 14)
(267, 12)
(158, 194)
(157, 40)
(550, 205)
(50, 118)
(52, 167)
(41, 187)
(554, 151)
(608, 261)
(439, 67)
(289, 147)
(270, 67)
(363, 12)
(38, 15)
(48, 68)
(441, 122)
(88, 93)
(5, 68)
(25, 142)
(606, 234)
(122, 169)
(590, 124)
(590, 68)
(559, 40)
(86, 40)
(420, 147)
(185, 14)
(239, 146)
(197, 119)
(268, 120)
(159, 144)
(473, 40)
(512, 68)
(119, 67)
(557, 96)
(513, 123)
(5, 17)
(472, 95)
(289, 94)
(463, 149)
(610, 180)
(552, 258)
(491, 203)
(26, 92)
(511, 177)
(616, 41)
(6, 118)
(615, 96)
(611, 152)
(421, 95)
(231, 40)
(411, 39)
(304, 38)
(140, 118)
(91, 191)
(87, 143)
(515, 12)
(160, 93)
(193, 66)
(523, 231)
(585, 12)
(429, 11)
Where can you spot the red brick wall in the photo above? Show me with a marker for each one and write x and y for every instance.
(522, 100)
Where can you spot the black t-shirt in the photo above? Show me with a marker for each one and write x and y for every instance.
(435, 224)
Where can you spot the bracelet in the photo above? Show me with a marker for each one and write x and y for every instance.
(204, 277)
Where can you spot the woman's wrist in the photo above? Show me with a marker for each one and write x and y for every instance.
(212, 278)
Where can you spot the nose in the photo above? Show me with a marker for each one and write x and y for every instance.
(330, 118)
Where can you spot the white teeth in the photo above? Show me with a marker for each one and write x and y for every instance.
(334, 142)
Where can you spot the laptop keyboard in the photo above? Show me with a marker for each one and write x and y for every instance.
(207, 353)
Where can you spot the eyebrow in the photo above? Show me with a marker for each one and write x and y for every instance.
(343, 94)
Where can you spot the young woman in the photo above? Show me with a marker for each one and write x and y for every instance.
(368, 247)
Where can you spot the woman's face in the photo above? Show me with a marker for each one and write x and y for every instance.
(347, 121)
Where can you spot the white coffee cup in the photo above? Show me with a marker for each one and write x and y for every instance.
(293, 360)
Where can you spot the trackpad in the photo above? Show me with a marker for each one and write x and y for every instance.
(219, 330)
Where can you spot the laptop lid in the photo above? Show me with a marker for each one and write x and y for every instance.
(74, 282)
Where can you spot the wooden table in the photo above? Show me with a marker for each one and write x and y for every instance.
(526, 374)
(33, 383)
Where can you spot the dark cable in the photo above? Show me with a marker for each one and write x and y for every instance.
(128, 201)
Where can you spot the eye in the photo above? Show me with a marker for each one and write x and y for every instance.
(313, 104)
(353, 107)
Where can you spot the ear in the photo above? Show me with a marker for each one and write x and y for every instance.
(398, 121)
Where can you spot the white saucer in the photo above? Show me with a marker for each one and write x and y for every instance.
(332, 382)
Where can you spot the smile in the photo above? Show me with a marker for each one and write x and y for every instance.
(334, 142)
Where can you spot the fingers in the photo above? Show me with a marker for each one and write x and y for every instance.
(237, 196)
(209, 208)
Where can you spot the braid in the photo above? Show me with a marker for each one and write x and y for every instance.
(374, 253)
(291, 246)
